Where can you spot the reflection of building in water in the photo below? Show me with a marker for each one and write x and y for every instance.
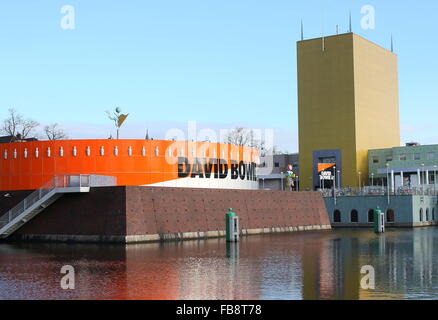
(331, 270)
(403, 264)
(386, 255)
(210, 271)
(282, 277)
(151, 273)
(423, 242)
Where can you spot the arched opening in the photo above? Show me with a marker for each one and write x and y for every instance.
(371, 215)
(421, 214)
(354, 216)
(427, 214)
(337, 216)
(390, 216)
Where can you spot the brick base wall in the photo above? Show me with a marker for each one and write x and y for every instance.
(125, 214)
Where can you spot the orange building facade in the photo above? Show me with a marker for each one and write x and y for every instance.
(28, 165)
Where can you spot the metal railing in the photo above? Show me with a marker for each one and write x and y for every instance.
(57, 182)
(426, 190)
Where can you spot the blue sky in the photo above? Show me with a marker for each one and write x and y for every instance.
(221, 63)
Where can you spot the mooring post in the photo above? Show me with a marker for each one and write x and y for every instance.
(232, 226)
(379, 221)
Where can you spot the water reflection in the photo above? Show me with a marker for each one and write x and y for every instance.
(320, 265)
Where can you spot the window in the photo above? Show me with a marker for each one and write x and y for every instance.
(390, 216)
(431, 156)
(417, 156)
(277, 164)
(402, 157)
(371, 215)
(388, 158)
(354, 216)
(337, 216)
(375, 159)
(421, 214)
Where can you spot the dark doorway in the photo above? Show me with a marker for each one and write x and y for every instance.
(371, 215)
(390, 217)
(354, 216)
(337, 216)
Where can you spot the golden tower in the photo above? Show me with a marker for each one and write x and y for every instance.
(347, 104)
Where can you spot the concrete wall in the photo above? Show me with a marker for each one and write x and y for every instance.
(139, 214)
(406, 210)
(270, 184)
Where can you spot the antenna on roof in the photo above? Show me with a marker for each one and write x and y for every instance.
(337, 29)
(302, 30)
(350, 26)
(323, 37)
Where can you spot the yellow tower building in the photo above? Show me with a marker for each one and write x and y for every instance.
(347, 104)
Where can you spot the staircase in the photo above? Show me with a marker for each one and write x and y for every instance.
(40, 199)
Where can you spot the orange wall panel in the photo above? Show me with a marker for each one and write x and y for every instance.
(31, 171)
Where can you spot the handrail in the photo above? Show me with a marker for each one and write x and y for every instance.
(57, 182)
(381, 191)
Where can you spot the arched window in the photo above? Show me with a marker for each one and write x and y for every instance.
(421, 214)
(371, 215)
(337, 216)
(427, 214)
(390, 217)
(354, 216)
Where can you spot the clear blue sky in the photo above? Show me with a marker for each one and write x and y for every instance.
(221, 63)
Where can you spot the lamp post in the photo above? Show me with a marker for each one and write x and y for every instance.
(434, 180)
(360, 185)
(298, 183)
(334, 184)
(372, 179)
(387, 180)
(282, 184)
(422, 178)
(339, 180)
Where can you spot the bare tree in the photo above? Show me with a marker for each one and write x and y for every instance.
(27, 128)
(54, 133)
(16, 126)
(10, 125)
(241, 136)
